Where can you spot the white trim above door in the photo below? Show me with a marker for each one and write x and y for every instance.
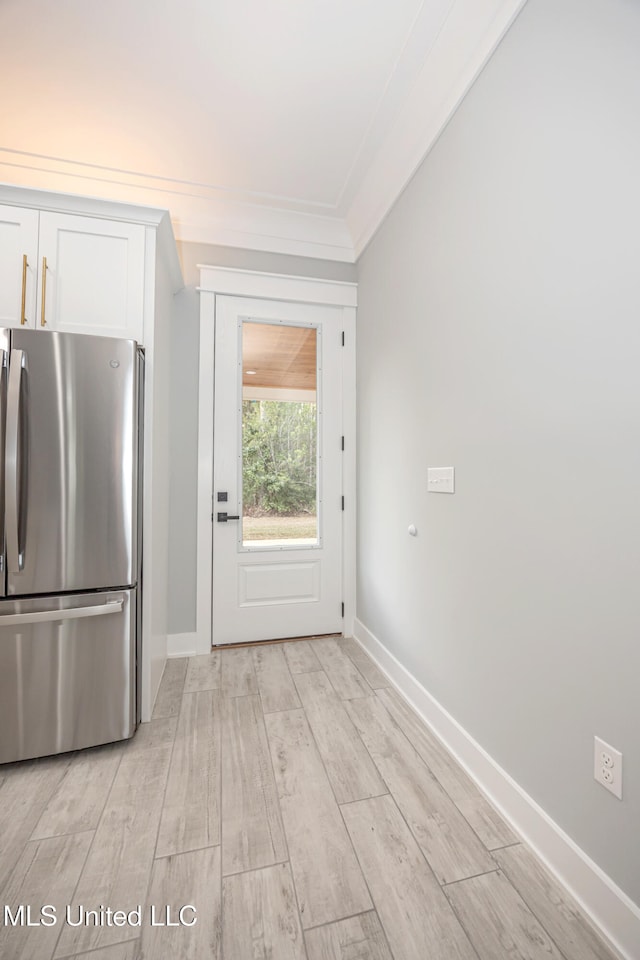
(216, 282)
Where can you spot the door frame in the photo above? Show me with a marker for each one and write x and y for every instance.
(227, 281)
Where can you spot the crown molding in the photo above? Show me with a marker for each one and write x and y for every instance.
(425, 30)
(199, 213)
(470, 34)
(99, 173)
(272, 231)
(411, 116)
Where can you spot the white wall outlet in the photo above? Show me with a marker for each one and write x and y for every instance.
(607, 766)
(440, 479)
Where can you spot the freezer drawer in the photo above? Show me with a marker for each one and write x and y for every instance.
(67, 673)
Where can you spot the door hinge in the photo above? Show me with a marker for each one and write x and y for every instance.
(343, 503)
(342, 605)
(343, 338)
(342, 443)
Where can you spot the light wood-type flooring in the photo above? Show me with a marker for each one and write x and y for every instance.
(289, 795)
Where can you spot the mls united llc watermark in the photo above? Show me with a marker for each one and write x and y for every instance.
(26, 915)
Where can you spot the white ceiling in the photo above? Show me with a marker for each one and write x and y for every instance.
(285, 125)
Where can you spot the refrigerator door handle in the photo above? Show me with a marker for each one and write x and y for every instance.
(73, 613)
(15, 555)
(4, 371)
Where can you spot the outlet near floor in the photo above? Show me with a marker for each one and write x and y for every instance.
(607, 766)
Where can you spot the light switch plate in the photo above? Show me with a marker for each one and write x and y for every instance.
(440, 479)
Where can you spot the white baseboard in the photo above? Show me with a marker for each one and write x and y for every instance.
(610, 909)
(182, 645)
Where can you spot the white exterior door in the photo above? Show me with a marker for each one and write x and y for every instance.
(277, 468)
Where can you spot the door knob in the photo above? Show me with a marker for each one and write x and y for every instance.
(223, 517)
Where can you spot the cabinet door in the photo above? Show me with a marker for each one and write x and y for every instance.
(18, 278)
(93, 279)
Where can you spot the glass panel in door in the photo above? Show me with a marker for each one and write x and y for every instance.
(279, 435)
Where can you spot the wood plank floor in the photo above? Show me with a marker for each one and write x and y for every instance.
(289, 799)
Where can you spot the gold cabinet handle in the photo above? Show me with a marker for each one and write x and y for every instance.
(23, 319)
(43, 319)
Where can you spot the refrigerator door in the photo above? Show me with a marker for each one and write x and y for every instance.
(70, 463)
(67, 673)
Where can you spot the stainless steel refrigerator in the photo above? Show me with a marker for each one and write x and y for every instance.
(70, 441)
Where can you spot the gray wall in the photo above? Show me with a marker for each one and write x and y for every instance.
(184, 404)
(499, 332)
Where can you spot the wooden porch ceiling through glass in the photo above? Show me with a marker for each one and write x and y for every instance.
(280, 356)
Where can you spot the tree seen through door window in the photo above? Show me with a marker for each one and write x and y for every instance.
(279, 465)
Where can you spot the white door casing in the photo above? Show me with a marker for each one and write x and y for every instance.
(273, 589)
(284, 292)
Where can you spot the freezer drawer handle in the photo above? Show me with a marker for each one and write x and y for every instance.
(73, 613)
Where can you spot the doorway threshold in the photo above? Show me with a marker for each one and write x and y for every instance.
(260, 643)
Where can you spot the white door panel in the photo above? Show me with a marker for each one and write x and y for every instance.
(277, 577)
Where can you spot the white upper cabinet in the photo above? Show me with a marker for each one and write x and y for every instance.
(77, 274)
(91, 275)
(18, 266)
